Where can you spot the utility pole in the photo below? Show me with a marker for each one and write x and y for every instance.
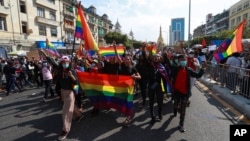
(189, 13)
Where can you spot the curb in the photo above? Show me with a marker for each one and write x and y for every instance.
(237, 101)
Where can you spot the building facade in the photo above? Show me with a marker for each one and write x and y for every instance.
(199, 31)
(177, 31)
(217, 23)
(25, 24)
(238, 12)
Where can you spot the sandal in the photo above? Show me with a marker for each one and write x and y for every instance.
(126, 122)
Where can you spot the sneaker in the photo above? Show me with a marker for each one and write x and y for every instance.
(63, 135)
(80, 118)
(182, 129)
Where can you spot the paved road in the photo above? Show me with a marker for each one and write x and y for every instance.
(23, 117)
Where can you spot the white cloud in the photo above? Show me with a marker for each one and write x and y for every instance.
(145, 17)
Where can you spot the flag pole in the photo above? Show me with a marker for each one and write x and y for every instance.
(73, 47)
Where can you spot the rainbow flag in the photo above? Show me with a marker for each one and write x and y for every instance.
(80, 51)
(51, 48)
(109, 51)
(83, 32)
(108, 91)
(231, 45)
(151, 48)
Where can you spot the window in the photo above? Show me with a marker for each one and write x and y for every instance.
(178, 27)
(52, 15)
(245, 16)
(246, 5)
(2, 2)
(22, 7)
(232, 23)
(40, 12)
(238, 19)
(42, 30)
(233, 11)
(53, 32)
(51, 1)
(24, 27)
(3, 24)
(239, 8)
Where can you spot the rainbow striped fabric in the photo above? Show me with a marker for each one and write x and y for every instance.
(231, 45)
(51, 48)
(109, 51)
(83, 32)
(151, 48)
(108, 91)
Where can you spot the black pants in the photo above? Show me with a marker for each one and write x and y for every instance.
(48, 88)
(159, 97)
(182, 100)
(143, 87)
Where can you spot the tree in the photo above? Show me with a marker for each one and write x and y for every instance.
(115, 36)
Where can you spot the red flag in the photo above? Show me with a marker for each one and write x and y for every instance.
(203, 42)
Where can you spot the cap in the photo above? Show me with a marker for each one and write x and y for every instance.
(65, 59)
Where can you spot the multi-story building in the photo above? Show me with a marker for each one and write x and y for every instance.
(238, 12)
(217, 23)
(199, 31)
(27, 23)
(177, 30)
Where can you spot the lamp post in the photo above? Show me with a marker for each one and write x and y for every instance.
(13, 34)
(189, 13)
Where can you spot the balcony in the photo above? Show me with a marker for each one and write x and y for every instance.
(68, 13)
(4, 10)
(47, 4)
(69, 27)
(47, 21)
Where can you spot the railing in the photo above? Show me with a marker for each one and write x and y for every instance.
(236, 79)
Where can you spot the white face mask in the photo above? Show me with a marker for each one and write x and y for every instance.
(191, 55)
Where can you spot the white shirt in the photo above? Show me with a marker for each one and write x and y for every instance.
(233, 63)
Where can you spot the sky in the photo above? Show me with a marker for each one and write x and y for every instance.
(145, 17)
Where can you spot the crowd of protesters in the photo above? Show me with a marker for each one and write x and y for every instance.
(178, 70)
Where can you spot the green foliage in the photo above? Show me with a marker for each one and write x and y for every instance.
(115, 36)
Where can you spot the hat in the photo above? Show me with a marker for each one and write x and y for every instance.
(65, 59)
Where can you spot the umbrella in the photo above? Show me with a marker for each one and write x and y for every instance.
(197, 46)
(18, 53)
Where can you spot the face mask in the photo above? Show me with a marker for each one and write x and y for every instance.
(183, 63)
(176, 61)
(65, 66)
(191, 55)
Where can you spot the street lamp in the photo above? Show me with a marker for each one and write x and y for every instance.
(189, 13)
(13, 34)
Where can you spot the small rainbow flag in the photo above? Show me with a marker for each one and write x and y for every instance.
(83, 32)
(109, 51)
(76, 89)
(151, 48)
(51, 48)
(231, 45)
(108, 91)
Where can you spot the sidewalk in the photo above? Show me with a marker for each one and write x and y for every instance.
(239, 102)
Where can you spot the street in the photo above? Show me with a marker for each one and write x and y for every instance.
(24, 117)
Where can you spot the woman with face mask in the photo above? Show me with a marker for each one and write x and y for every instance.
(182, 87)
(67, 80)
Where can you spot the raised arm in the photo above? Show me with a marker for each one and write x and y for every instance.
(116, 54)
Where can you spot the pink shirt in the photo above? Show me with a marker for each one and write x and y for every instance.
(47, 75)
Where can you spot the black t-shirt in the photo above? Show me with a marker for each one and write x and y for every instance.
(109, 68)
(127, 70)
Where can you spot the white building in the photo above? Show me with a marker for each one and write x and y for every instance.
(26, 23)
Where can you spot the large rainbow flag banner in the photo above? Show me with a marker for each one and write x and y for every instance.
(51, 48)
(231, 45)
(83, 32)
(108, 91)
(109, 51)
